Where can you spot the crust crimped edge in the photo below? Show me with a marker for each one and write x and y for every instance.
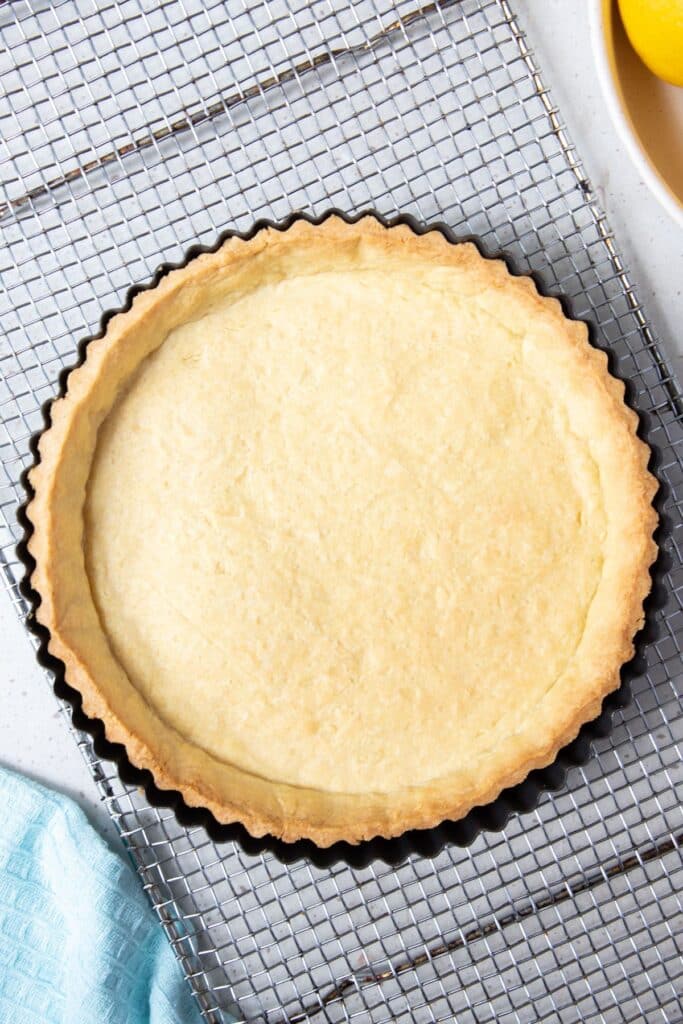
(231, 794)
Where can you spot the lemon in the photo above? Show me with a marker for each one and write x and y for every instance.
(655, 28)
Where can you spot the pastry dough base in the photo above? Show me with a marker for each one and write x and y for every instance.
(342, 530)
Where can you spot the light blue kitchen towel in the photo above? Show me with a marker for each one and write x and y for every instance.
(79, 943)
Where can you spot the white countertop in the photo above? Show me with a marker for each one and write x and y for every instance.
(652, 247)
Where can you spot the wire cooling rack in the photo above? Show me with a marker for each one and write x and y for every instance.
(128, 132)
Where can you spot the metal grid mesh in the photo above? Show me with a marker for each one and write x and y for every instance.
(131, 130)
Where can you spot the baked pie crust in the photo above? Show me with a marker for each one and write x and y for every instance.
(341, 530)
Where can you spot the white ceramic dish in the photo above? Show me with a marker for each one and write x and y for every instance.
(648, 112)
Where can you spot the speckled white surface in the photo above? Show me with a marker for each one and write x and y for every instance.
(34, 736)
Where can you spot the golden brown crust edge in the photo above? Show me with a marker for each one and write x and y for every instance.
(286, 811)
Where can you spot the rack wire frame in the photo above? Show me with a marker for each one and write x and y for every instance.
(130, 131)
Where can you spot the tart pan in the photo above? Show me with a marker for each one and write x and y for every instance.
(521, 798)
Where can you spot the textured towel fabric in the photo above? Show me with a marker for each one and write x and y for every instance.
(79, 944)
